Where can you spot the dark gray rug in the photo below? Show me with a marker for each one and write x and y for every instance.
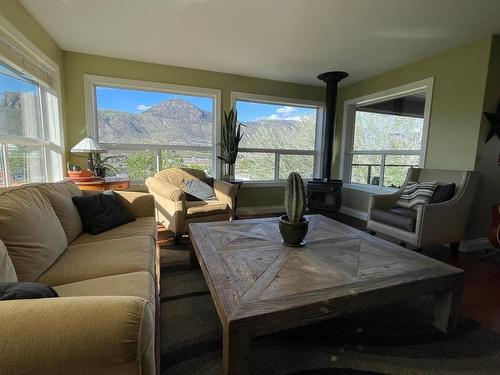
(396, 339)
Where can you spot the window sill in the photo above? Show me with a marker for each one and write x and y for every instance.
(370, 188)
(262, 184)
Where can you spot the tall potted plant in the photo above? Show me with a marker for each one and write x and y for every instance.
(231, 137)
(294, 226)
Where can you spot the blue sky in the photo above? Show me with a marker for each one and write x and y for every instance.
(9, 83)
(251, 111)
(136, 101)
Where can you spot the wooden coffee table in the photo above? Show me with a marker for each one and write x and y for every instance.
(260, 286)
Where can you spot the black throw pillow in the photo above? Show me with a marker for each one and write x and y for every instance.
(25, 291)
(102, 212)
(443, 193)
(200, 190)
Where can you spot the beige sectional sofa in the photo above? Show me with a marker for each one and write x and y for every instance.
(104, 319)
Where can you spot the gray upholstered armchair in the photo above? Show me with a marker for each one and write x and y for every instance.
(430, 224)
(175, 212)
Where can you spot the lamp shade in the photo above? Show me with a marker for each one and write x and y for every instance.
(88, 144)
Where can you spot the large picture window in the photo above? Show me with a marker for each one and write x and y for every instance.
(385, 135)
(30, 132)
(280, 136)
(148, 127)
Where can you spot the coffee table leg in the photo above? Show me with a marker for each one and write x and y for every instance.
(446, 309)
(193, 260)
(235, 348)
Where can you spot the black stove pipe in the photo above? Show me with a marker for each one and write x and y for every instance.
(331, 79)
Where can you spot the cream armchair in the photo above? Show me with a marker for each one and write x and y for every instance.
(172, 209)
(430, 224)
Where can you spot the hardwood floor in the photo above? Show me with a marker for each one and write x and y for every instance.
(481, 294)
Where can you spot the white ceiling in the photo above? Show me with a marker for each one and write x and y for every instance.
(288, 40)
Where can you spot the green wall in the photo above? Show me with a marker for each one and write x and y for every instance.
(78, 64)
(488, 192)
(457, 101)
(22, 20)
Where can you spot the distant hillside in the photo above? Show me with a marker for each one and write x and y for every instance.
(173, 121)
(178, 121)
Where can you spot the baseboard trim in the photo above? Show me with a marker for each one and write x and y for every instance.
(475, 244)
(260, 210)
(354, 213)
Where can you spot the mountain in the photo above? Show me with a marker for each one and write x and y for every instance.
(174, 121)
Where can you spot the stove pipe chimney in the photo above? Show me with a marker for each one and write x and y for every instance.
(331, 79)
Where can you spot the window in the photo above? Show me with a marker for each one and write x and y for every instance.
(385, 135)
(280, 136)
(149, 126)
(30, 132)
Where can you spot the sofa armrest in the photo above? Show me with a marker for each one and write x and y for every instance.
(165, 189)
(140, 204)
(226, 192)
(59, 335)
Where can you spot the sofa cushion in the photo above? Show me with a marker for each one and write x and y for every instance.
(60, 195)
(10, 291)
(398, 217)
(31, 231)
(105, 258)
(197, 209)
(137, 284)
(142, 226)
(102, 212)
(7, 271)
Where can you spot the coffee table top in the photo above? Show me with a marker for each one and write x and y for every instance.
(251, 274)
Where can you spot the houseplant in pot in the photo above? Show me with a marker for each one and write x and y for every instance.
(75, 171)
(293, 226)
(231, 137)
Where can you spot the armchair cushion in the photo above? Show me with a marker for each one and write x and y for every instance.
(200, 190)
(416, 193)
(197, 209)
(399, 217)
(443, 193)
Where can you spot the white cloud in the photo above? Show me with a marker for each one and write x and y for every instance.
(143, 107)
(285, 110)
(283, 113)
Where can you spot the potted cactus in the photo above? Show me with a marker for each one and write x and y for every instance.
(293, 226)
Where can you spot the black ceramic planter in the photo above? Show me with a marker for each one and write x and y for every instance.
(293, 234)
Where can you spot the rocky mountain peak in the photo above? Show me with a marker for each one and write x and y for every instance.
(178, 109)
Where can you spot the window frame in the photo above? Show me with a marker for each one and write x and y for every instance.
(52, 139)
(348, 126)
(285, 101)
(92, 81)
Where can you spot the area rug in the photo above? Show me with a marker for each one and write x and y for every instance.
(394, 339)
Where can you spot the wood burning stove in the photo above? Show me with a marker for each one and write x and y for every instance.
(324, 194)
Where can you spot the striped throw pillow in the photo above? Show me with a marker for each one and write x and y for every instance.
(416, 193)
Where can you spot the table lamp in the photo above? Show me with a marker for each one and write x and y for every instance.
(91, 146)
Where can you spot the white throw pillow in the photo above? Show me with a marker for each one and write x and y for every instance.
(7, 271)
(416, 194)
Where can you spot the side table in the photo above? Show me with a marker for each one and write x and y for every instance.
(102, 185)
